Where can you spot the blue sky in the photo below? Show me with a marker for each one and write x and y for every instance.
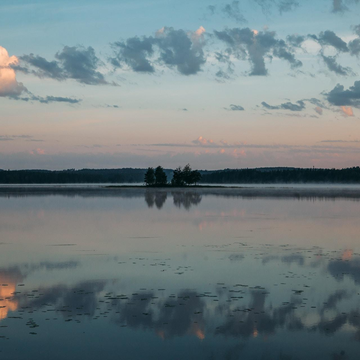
(215, 83)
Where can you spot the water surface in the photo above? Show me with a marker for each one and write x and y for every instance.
(161, 274)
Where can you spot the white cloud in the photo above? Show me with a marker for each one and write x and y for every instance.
(9, 86)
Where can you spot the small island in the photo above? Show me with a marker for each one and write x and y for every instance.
(181, 177)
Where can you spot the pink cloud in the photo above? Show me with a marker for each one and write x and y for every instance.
(37, 151)
(347, 110)
(202, 141)
(9, 86)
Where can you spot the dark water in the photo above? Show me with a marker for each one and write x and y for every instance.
(179, 275)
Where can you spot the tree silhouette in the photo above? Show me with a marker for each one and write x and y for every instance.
(149, 178)
(195, 177)
(160, 176)
(187, 174)
(178, 178)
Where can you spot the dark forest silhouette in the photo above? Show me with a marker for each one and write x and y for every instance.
(282, 175)
(179, 177)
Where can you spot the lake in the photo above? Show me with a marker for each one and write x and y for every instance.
(107, 273)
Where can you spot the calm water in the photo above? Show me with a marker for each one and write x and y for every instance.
(134, 274)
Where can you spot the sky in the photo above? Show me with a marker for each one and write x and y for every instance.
(217, 84)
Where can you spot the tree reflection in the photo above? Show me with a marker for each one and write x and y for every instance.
(184, 199)
(156, 198)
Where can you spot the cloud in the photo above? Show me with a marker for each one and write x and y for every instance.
(45, 69)
(229, 10)
(339, 6)
(255, 46)
(37, 151)
(234, 107)
(173, 48)
(14, 137)
(295, 40)
(341, 97)
(212, 9)
(9, 86)
(287, 5)
(354, 47)
(134, 52)
(329, 38)
(281, 5)
(6, 138)
(347, 110)
(182, 50)
(76, 62)
(340, 141)
(49, 99)
(317, 102)
(222, 75)
(299, 106)
(335, 67)
(202, 141)
(80, 64)
(356, 29)
(232, 11)
(319, 110)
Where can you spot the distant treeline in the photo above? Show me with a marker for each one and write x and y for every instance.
(71, 176)
(227, 176)
(282, 175)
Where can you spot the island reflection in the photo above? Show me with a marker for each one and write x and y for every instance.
(185, 199)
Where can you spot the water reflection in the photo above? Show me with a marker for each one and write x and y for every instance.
(184, 199)
(69, 301)
(245, 314)
(340, 269)
(208, 277)
(11, 277)
(235, 311)
(155, 197)
(308, 193)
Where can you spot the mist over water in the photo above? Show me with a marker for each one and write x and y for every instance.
(179, 274)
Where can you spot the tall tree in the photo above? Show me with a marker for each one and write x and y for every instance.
(160, 176)
(195, 177)
(149, 178)
(187, 174)
(178, 178)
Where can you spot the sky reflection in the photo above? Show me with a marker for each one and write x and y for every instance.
(263, 278)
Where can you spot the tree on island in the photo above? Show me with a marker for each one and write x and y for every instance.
(185, 176)
(149, 178)
(160, 176)
(195, 177)
(178, 178)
